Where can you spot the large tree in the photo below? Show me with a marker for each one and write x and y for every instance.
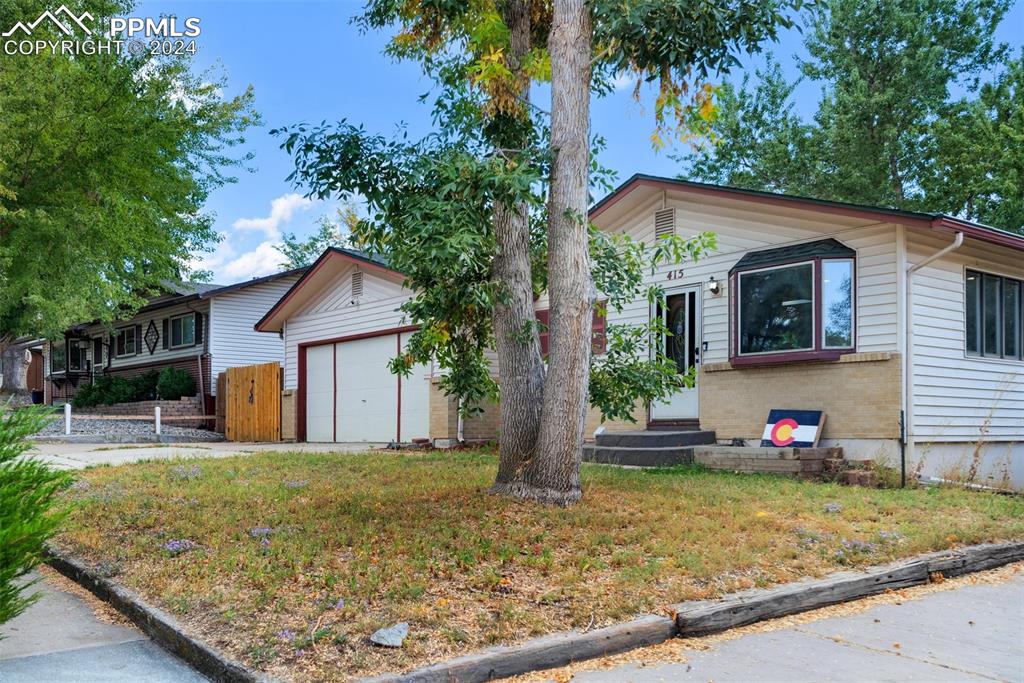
(493, 210)
(888, 129)
(105, 164)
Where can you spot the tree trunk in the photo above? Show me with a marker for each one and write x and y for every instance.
(553, 475)
(15, 364)
(520, 366)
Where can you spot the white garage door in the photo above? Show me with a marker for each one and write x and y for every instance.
(367, 391)
(320, 393)
(351, 395)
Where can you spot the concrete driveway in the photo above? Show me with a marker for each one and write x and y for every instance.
(79, 456)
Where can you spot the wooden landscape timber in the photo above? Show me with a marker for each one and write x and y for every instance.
(693, 619)
(712, 616)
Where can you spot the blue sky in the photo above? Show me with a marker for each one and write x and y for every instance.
(308, 63)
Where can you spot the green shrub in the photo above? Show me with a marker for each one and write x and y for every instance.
(118, 390)
(174, 383)
(28, 512)
(106, 390)
(87, 396)
(145, 386)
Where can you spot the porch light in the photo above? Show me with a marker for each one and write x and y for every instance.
(713, 286)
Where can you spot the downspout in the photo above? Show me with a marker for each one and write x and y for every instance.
(199, 356)
(907, 419)
(460, 428)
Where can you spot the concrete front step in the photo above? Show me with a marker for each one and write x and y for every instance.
(655, 438)
(664, 456)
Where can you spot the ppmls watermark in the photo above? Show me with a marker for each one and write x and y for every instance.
(166, 35)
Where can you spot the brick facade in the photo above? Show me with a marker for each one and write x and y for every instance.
(288, 415)
(860, 394)
(444, 419)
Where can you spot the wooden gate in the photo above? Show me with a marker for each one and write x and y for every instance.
(252, 410)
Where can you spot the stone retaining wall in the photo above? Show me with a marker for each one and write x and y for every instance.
(187, 405)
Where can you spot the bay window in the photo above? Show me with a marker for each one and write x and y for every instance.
(994, 311)
(793, 303)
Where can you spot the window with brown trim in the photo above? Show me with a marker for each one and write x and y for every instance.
(797, 306)
(598, 329)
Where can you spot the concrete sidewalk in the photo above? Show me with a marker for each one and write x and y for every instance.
(61, 640)
(971, 633)
(79, 456)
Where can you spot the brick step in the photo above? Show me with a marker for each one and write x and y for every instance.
(860, 478)
(663, 456)
(655, 438)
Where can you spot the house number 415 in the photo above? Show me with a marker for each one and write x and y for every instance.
(676, 274)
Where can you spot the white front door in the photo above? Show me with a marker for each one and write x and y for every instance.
(680, 310)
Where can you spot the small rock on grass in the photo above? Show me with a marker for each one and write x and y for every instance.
(392, 636)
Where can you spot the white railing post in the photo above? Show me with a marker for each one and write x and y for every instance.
(157, 411)
(67, 419)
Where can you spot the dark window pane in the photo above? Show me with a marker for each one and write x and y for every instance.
(973, 311)
(183, 331)
(991, 324)
(777, 309)
(58, 357)
(676, 322)
(837, 308)
(1011, 319)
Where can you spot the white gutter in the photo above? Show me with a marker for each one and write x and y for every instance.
(908, 357)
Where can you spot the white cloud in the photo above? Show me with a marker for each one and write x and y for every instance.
(281, 210)
(265, 259)
(213, 260)
(625, 80)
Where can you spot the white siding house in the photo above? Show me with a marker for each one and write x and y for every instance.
(233, 312)
(871, 328)
(199, 328)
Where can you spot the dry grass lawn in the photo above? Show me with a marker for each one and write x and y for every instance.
(290, 561)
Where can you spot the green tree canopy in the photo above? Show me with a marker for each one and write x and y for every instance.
(105, 164)
(331, 232)
(887, 130)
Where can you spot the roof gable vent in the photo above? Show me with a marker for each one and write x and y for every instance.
(664, 223)
(357, 284)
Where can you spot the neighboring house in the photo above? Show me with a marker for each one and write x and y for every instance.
(805, 304)
(200, 328)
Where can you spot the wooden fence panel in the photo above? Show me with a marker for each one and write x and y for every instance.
(253, 403)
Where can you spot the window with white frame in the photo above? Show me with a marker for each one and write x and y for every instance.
(125, 342)
(183, 330)
(994, 308)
